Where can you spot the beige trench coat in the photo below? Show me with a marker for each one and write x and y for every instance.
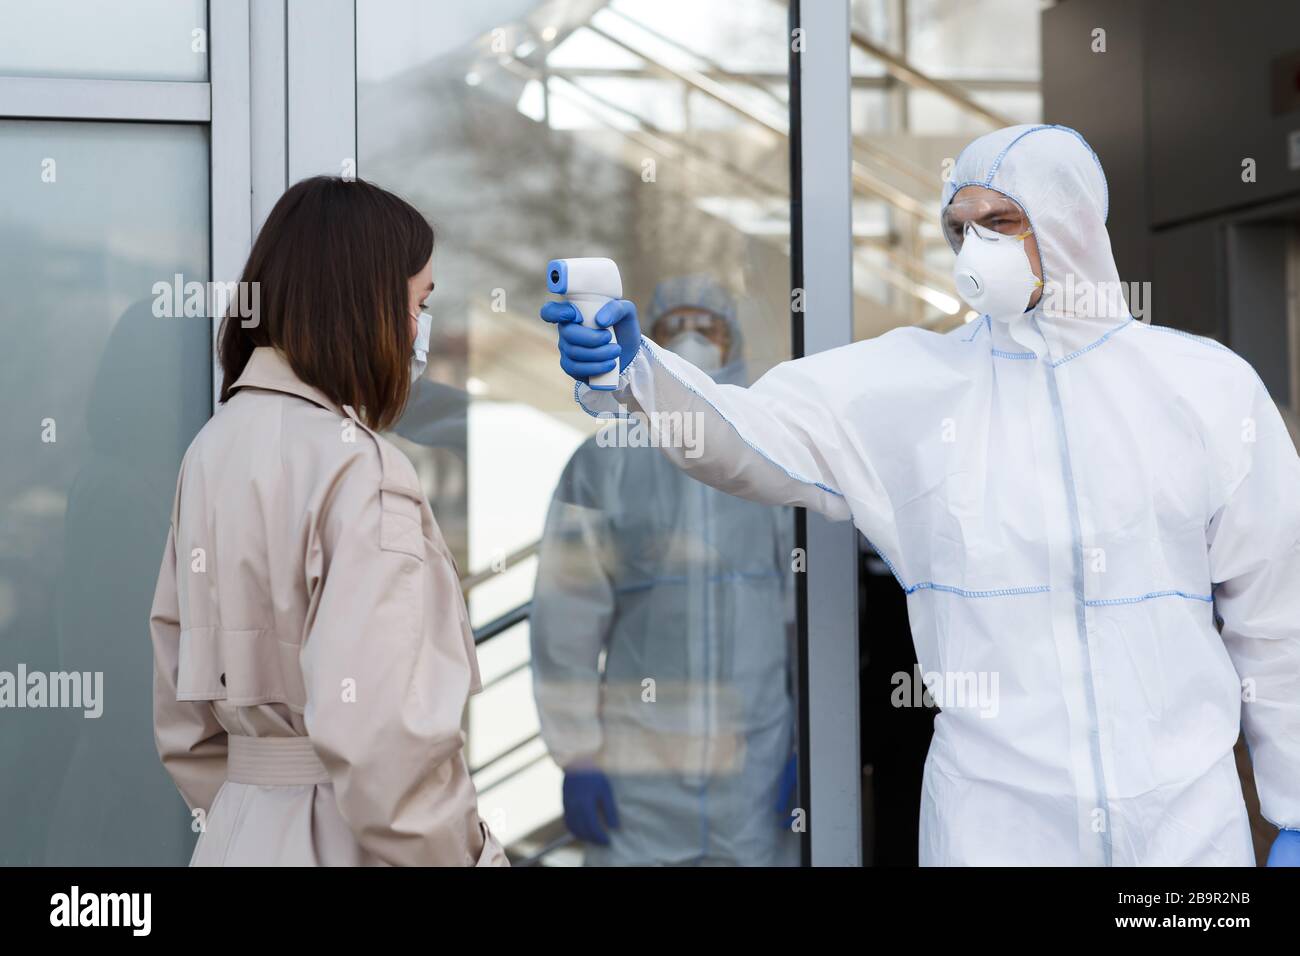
(312, 652)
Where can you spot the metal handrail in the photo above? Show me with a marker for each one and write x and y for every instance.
(544, 755)
(660, 140)
(559, 843)
(503, 623)
(905, 72)
(904, 282)
(471, 581)
(884, 81)
(513, 748)
(709, 62)
(863, 178)
(899, 164)
(507, 674)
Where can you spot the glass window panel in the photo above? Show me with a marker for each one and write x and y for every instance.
(583, 48)
(102, 398)
(683, 33)
(125, 39)
(869, 111)
(872, 20)
(524, 136)
(904, 135)
(993, 38)
(935, 115)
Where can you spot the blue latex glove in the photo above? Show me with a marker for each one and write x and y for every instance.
(785, 790)
(587, 798)
(585, 352)
(1286, 849)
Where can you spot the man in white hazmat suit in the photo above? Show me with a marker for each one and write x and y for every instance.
(1103, 514)
(680, 584)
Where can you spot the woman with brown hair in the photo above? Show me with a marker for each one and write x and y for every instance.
(312, 653)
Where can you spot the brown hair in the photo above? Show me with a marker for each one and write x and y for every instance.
(332, 266)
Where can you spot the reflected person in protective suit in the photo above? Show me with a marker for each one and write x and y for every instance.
(115, 805)
(661, 640)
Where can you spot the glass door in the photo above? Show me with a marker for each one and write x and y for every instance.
(636, 629)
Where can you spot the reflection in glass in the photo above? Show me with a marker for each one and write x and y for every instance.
(906, 136)
(662, 635)
(102, 398)
(653, 133)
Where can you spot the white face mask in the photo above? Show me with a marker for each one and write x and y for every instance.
(696, 349)
(420, 360)
(992, 273)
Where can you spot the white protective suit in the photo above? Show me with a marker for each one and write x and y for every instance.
(1072, 502)
(679, 583)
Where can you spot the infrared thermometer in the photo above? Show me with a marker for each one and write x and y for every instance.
(588, 284)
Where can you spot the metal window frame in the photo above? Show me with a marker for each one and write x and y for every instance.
(60, 98)
(269, 109)
(230, 149)
(830, 730)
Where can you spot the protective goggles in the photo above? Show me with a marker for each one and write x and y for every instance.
(997, 214)
(709, 324)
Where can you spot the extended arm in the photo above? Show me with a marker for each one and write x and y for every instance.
(774, 443)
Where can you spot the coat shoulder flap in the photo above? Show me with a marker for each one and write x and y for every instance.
(400, 496)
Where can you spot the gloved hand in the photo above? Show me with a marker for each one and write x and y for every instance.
(585, 352)
(785, 790)
(1286, 849)
(587, 798)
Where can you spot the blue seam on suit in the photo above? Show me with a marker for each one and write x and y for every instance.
(1149, 596)
(1190, 335)
(962, 592)
(1088, 348)
(997, 160)
(948, 588)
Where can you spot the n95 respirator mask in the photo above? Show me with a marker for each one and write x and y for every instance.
(992, 272)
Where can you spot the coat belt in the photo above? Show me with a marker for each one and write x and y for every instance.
(273, 761)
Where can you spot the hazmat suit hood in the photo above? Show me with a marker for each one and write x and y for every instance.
(1057, 179)
(704, 292)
